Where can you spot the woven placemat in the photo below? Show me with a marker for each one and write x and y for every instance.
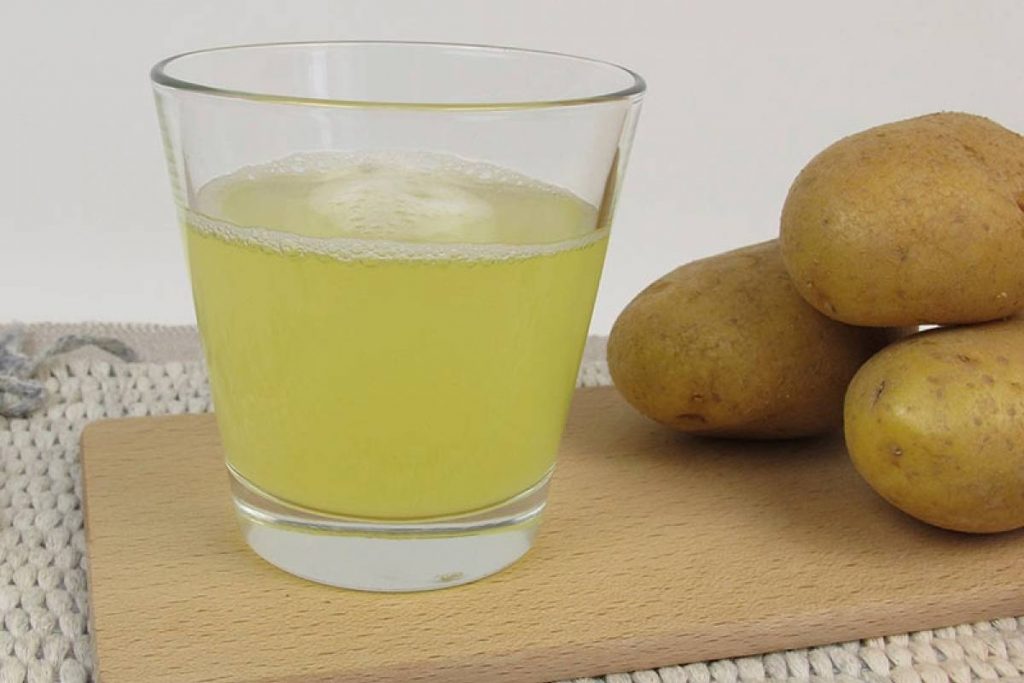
(44, 601)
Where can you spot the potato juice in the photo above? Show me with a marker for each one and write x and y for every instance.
(391, 336)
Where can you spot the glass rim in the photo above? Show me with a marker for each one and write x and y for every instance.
(159, 76)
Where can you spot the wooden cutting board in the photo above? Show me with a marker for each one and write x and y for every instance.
(656, 549)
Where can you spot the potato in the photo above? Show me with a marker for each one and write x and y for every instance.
(919, 221)
(935, 424)
(725, 346)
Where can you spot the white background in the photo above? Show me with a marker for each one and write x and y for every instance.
(741, 95)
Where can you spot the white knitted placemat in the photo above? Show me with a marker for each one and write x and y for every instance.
(44, 600)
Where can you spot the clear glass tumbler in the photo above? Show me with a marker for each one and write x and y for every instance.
(394, 251)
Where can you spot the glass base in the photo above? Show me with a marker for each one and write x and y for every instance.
(388, 555)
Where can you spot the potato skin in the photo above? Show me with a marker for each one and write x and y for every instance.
(725, 346)
(935, 424)
(914, 222)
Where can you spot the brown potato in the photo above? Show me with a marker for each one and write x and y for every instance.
(935, 424)
(919, 221)
(725, 346)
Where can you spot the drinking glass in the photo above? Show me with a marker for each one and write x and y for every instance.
(394, 252)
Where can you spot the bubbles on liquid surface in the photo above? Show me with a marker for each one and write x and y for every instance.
(379, 202)
(393, 205)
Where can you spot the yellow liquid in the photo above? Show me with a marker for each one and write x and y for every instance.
(399, 338)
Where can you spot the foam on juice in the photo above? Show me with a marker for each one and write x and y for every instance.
(420, 206)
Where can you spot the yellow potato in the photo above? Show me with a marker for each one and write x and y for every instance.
(725, 346)
(935, 424)
(919, 221)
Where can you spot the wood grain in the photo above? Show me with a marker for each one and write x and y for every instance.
(656, 549)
